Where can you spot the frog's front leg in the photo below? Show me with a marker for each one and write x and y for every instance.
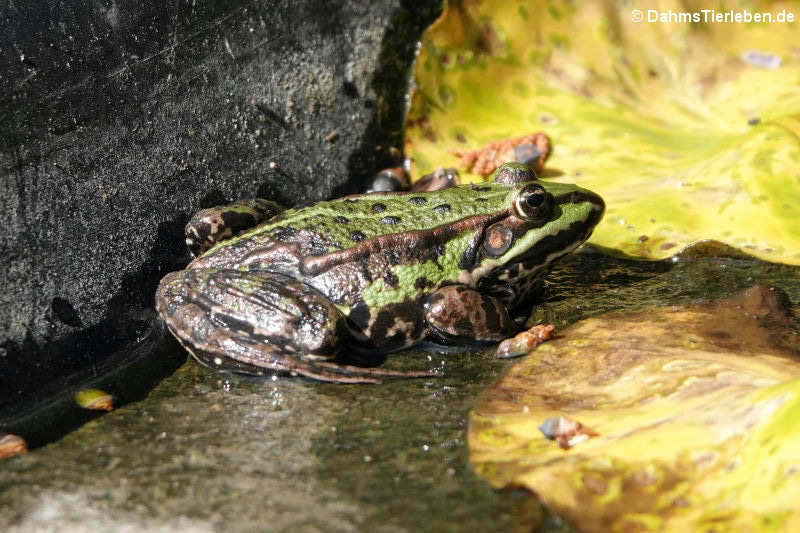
(258, 323)
(457, 312)
(215, 224)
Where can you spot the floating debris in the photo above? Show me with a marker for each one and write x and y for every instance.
(532, 150)
(761, 59)
(228, 47)
(11, 445)
(95, 399)
(522, 343)
(566, 431)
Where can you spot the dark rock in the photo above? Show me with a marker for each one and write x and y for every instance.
(119, 120)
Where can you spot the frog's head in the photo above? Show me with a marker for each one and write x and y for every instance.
(545, 221)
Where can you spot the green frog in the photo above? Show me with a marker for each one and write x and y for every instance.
(325, 291)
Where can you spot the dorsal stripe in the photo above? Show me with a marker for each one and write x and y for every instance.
(421, 239)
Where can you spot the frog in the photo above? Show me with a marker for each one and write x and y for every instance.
(327, 290)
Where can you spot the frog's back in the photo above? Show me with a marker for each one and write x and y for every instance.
(346, 222)
(395, 244)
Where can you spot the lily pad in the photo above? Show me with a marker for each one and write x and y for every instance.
(694, 415)
(690, 131)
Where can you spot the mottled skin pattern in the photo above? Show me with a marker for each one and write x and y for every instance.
(211, 226)
(307, 290)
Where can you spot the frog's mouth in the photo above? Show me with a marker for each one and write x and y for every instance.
(515, 276)
(552, 247)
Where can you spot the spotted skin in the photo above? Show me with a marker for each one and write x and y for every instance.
(372, 274)
(216, 224)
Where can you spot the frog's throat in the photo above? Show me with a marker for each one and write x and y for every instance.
(417, 239)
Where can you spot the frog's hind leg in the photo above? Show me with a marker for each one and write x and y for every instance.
(259, 323)
(215, 224)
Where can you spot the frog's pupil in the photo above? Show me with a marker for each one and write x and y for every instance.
(534, 203)
(535, 200)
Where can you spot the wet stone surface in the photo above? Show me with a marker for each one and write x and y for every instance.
(229, 453)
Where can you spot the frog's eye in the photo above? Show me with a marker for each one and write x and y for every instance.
(534, 203)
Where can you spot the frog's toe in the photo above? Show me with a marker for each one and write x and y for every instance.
(373, 375)
(264, 359)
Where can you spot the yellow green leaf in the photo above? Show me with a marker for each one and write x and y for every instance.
(690, 131)
(696, 412)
